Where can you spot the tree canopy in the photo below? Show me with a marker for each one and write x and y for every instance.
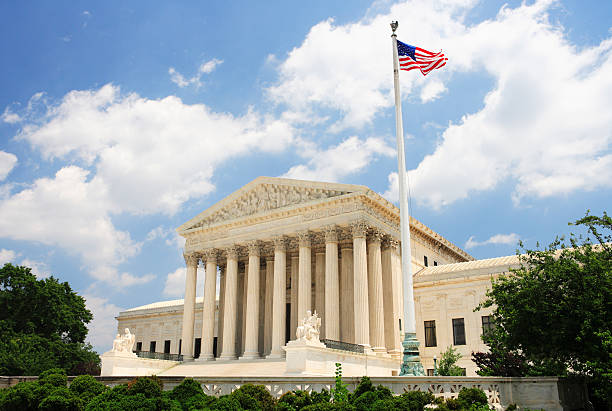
(552, 315)
(43, 325)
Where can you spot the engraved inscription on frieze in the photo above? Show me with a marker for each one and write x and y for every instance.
(267, 197)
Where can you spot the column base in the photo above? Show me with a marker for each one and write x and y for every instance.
(187, 358)
(275, 356)
(205, 358)
(250, 356)
(227, 357)
(411, 363)
(380, 351)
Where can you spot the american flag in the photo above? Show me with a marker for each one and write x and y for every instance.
(411, 58)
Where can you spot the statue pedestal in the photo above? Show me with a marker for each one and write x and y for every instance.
(312, 358)
(129, 364)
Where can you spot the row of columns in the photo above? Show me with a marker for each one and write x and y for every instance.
(357, 292)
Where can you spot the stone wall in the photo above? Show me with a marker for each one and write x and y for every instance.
(549, 393)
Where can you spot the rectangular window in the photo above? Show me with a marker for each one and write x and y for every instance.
(152, 346)
(167, 347)
(139, 346)
(435, 263)
(425, 261)
(487, 324)
(430, 334)
(458, 331)
(430, 372)
(180, 346)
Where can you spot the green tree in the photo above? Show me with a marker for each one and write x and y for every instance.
(43, 325)
(448, 361)
(555, 309)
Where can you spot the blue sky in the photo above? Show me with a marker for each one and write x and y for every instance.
(120, 121)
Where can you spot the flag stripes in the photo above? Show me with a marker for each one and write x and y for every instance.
(413, 58)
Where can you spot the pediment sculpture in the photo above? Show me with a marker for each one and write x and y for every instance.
(267, 197)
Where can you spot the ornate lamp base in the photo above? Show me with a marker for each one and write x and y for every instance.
(411, 364)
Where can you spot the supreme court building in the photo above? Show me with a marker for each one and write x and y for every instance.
(277, 248)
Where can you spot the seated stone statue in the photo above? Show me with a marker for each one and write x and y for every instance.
(124, 343)
(309, 330)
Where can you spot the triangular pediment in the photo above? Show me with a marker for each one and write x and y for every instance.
(265, 194)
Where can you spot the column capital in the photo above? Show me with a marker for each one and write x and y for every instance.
(254, 248)
(191, 260)
(231, 252)
(304, 238)
(390, 242)
(331, 233)
(210, 255)
(359, 229)
(376, 236)
(280, 243)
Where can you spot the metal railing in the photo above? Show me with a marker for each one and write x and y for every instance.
(341, 345)
(159, 355)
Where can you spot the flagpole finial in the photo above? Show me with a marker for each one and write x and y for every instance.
(394, 25)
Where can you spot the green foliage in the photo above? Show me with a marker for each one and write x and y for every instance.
(448, 360)
(339, 392)
(145, 393)
(555, 309)
(61, 399)
(86, 388)
(42, 325)
(472, 396)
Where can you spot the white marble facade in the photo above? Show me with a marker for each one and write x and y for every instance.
(277, 248)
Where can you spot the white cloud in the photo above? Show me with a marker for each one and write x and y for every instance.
(507, 239)
(205, 68)
(349, 157)
(169, 235)
(7, 163)
(39, 269)
(348, 68)
(175, 283)
(9, 117)
(150, 155)
(7, 256)
(103, 327)
(432, 90)
(69, 212)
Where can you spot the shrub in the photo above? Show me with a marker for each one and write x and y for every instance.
(295, 400)
(61, 399)
(189, 395)
(86, 388)
(263, 399)
(22, 396)
(413, 400)
(226, 403)
(55, 377)
(339, 392)
(150, 387)
(448, 363)
(472, 396)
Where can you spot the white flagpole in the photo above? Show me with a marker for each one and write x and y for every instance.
(411, 364)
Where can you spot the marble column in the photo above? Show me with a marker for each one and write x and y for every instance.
(347, 319)
(268, 299)
(294, 295)
(375, 293)
(391, 297)
(230, 310)
(332, 284)
(304, 276)
(221, 312)
(360, 285)
(251, 349)
(320, 289)
(208, 305)
(278, 298)
(191, 278)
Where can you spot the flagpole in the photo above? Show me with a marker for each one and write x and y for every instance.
(411, 364)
